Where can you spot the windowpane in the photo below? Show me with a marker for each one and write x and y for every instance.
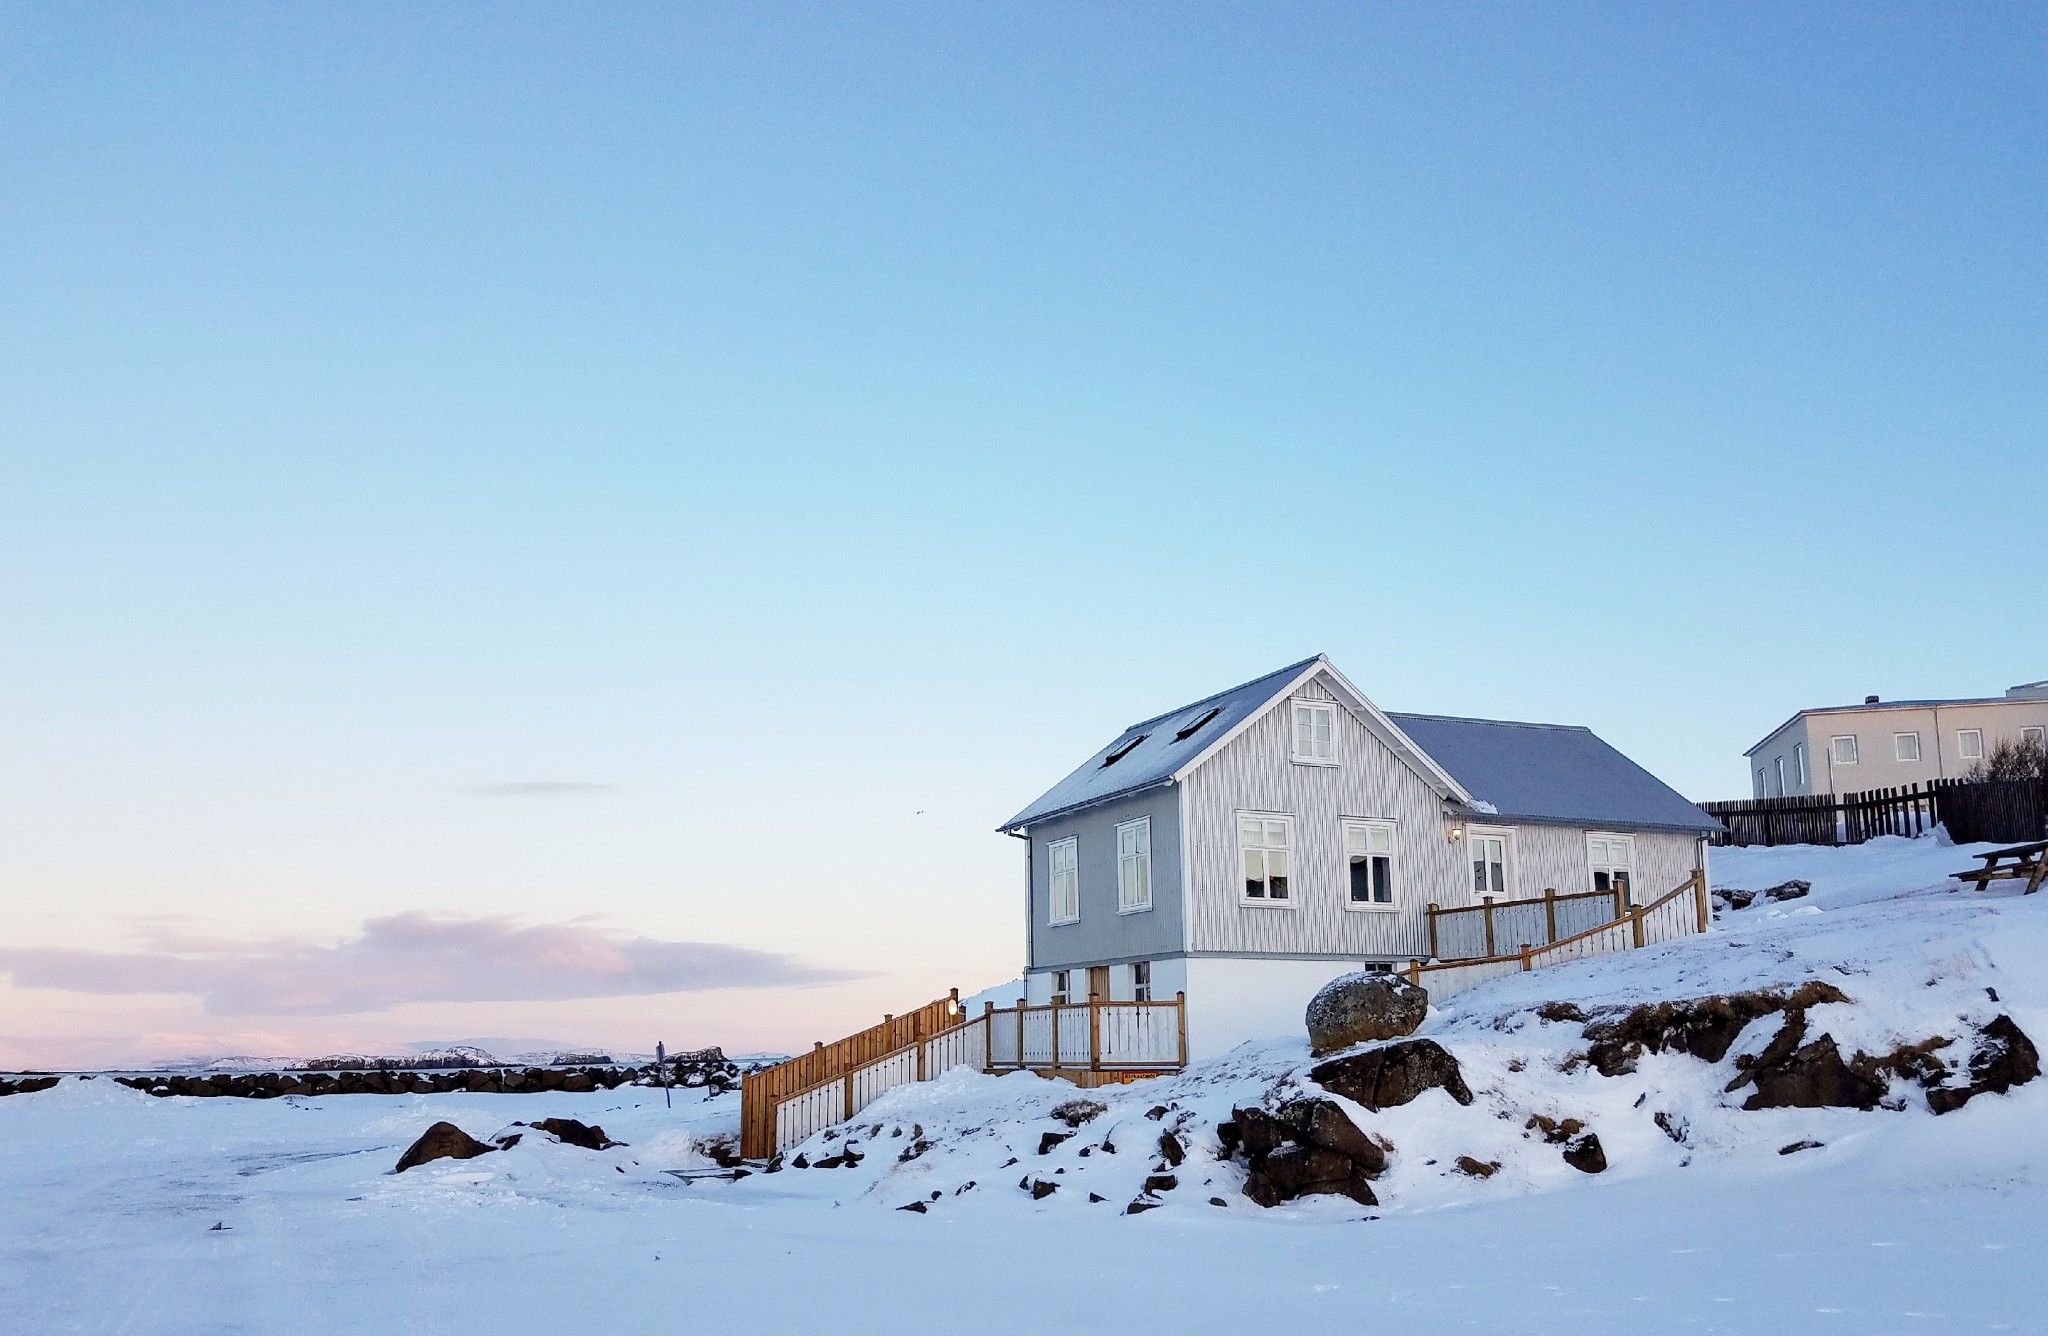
(1276, 834)
(1383, 880)
(1255, 874)
(1970, 743)
(1276, 873)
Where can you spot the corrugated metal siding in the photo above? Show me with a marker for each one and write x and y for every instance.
(1102, 933)
(1254, 773)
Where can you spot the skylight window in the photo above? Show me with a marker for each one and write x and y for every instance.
(1193, 728)
(1123, 751)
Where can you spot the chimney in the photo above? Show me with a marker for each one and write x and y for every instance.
(1870, 700)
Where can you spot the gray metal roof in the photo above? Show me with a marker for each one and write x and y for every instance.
(1160, 752)
(1551, 772)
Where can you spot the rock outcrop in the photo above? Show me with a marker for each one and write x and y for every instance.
(2004, 1058)
(1388, 1077)
(442, 1141)
(1364, 1008)
(1705, 1027)
(1309, 1148)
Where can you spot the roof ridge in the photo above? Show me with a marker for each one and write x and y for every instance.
(1500, 723)
(1288, 671)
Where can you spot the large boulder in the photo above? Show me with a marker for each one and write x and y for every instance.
(2005, 1057)
(1386, 1078)
(1811, 1077)
(1362, 1008)
(1323, 1124)
(442, 1141)
(1310, 1148)
(574, 1133)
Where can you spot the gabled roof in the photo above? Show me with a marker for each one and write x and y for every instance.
(1551, 772)
(1162, 749)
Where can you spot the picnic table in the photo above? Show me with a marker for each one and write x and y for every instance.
(2022, 860)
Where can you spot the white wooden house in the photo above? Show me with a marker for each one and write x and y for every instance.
(1248, 847)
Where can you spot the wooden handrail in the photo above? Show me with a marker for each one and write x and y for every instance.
(1527, 956)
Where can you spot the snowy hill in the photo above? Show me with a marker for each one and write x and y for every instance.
(1890, 1218)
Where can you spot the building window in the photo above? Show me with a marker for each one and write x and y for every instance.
(1369, 862)
(1905, 746)
(1134, 865)
(1799, 762)
(1062, 987)
(1970, 744)
(1778, 763)
(1613, 858)
(1141, 981)
(2035, 734)
(1315, 733)
(1845, 750)
(1489, 862)
(1763, 790)
(1265, 841)
(1061, 858)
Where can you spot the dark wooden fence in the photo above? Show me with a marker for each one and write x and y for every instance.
(2003, 811)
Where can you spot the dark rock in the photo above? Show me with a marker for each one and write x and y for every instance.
(442, 1141)
(1050, 1140)
(1096, 1197)
(1585, 1155)
(1170, 1147)
(1364, 1008)
(2005, 1058)
(1674, 1127)
(1799, 1146)
(1814, 1077)
(1262, 1190)
(1077, 1111)
(1321, 1122)
(1386, 1078)
(1477, 1168)
(1156, 1112)
(571, 1132)
(916, 1206)
(1705, 1027)
(1161, 1183)
(1354, 1186)
(1040, 1189)
(1139, 1206)
(1258, 1132)
(1218, 1201)
(1291, 1168)
(1775, 1054)
(1562, 1012)
(28, 1085)
(578, 1082)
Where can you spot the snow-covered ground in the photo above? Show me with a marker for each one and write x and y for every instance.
(1898, 1221)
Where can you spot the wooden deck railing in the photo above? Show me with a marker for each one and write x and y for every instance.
(1475, 932)
(1089, 1041)
(1680, 913)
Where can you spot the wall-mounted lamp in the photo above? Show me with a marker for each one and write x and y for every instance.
(1454, 827)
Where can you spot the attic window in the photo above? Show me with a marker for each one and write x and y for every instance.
(1195, 727)
(1123, 751)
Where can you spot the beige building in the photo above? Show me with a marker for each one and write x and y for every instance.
(1888, 744)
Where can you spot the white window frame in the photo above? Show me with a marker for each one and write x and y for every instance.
(1835, 749)
(1392, 855)
(1291, 848)
(1778, 764)
(1763, 786)
(1061, 992)
(1141, 981)
(1506, 836)
(1315, 755)
(1071, 845)
(1134, 867)
(1799, 763)
(1594, 866)
(1962, 751)
(2034, 733)
(1898, 746)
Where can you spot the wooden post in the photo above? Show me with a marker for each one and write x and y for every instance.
(1699, 895)
(1180, 1008)
(1636, 917)
(1549, 916)
(988, 1035)
(1020, 1029)
(917, 1037)
(1415, 972)
(1619, 907)
(1094, 1033)
(1434, 954)
(1055, 1034)
(1525, 958)
(1489, 925)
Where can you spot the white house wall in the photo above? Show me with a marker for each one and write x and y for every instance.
(1254, 773)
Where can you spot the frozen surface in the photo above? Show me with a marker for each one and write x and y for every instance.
(1899, 1222)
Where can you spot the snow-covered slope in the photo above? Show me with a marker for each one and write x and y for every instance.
(1897, 1220)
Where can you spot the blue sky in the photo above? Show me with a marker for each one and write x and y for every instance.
(817, 428)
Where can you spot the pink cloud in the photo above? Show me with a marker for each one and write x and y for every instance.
(408, 958)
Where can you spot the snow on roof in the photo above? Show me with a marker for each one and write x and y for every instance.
(1551, 772)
